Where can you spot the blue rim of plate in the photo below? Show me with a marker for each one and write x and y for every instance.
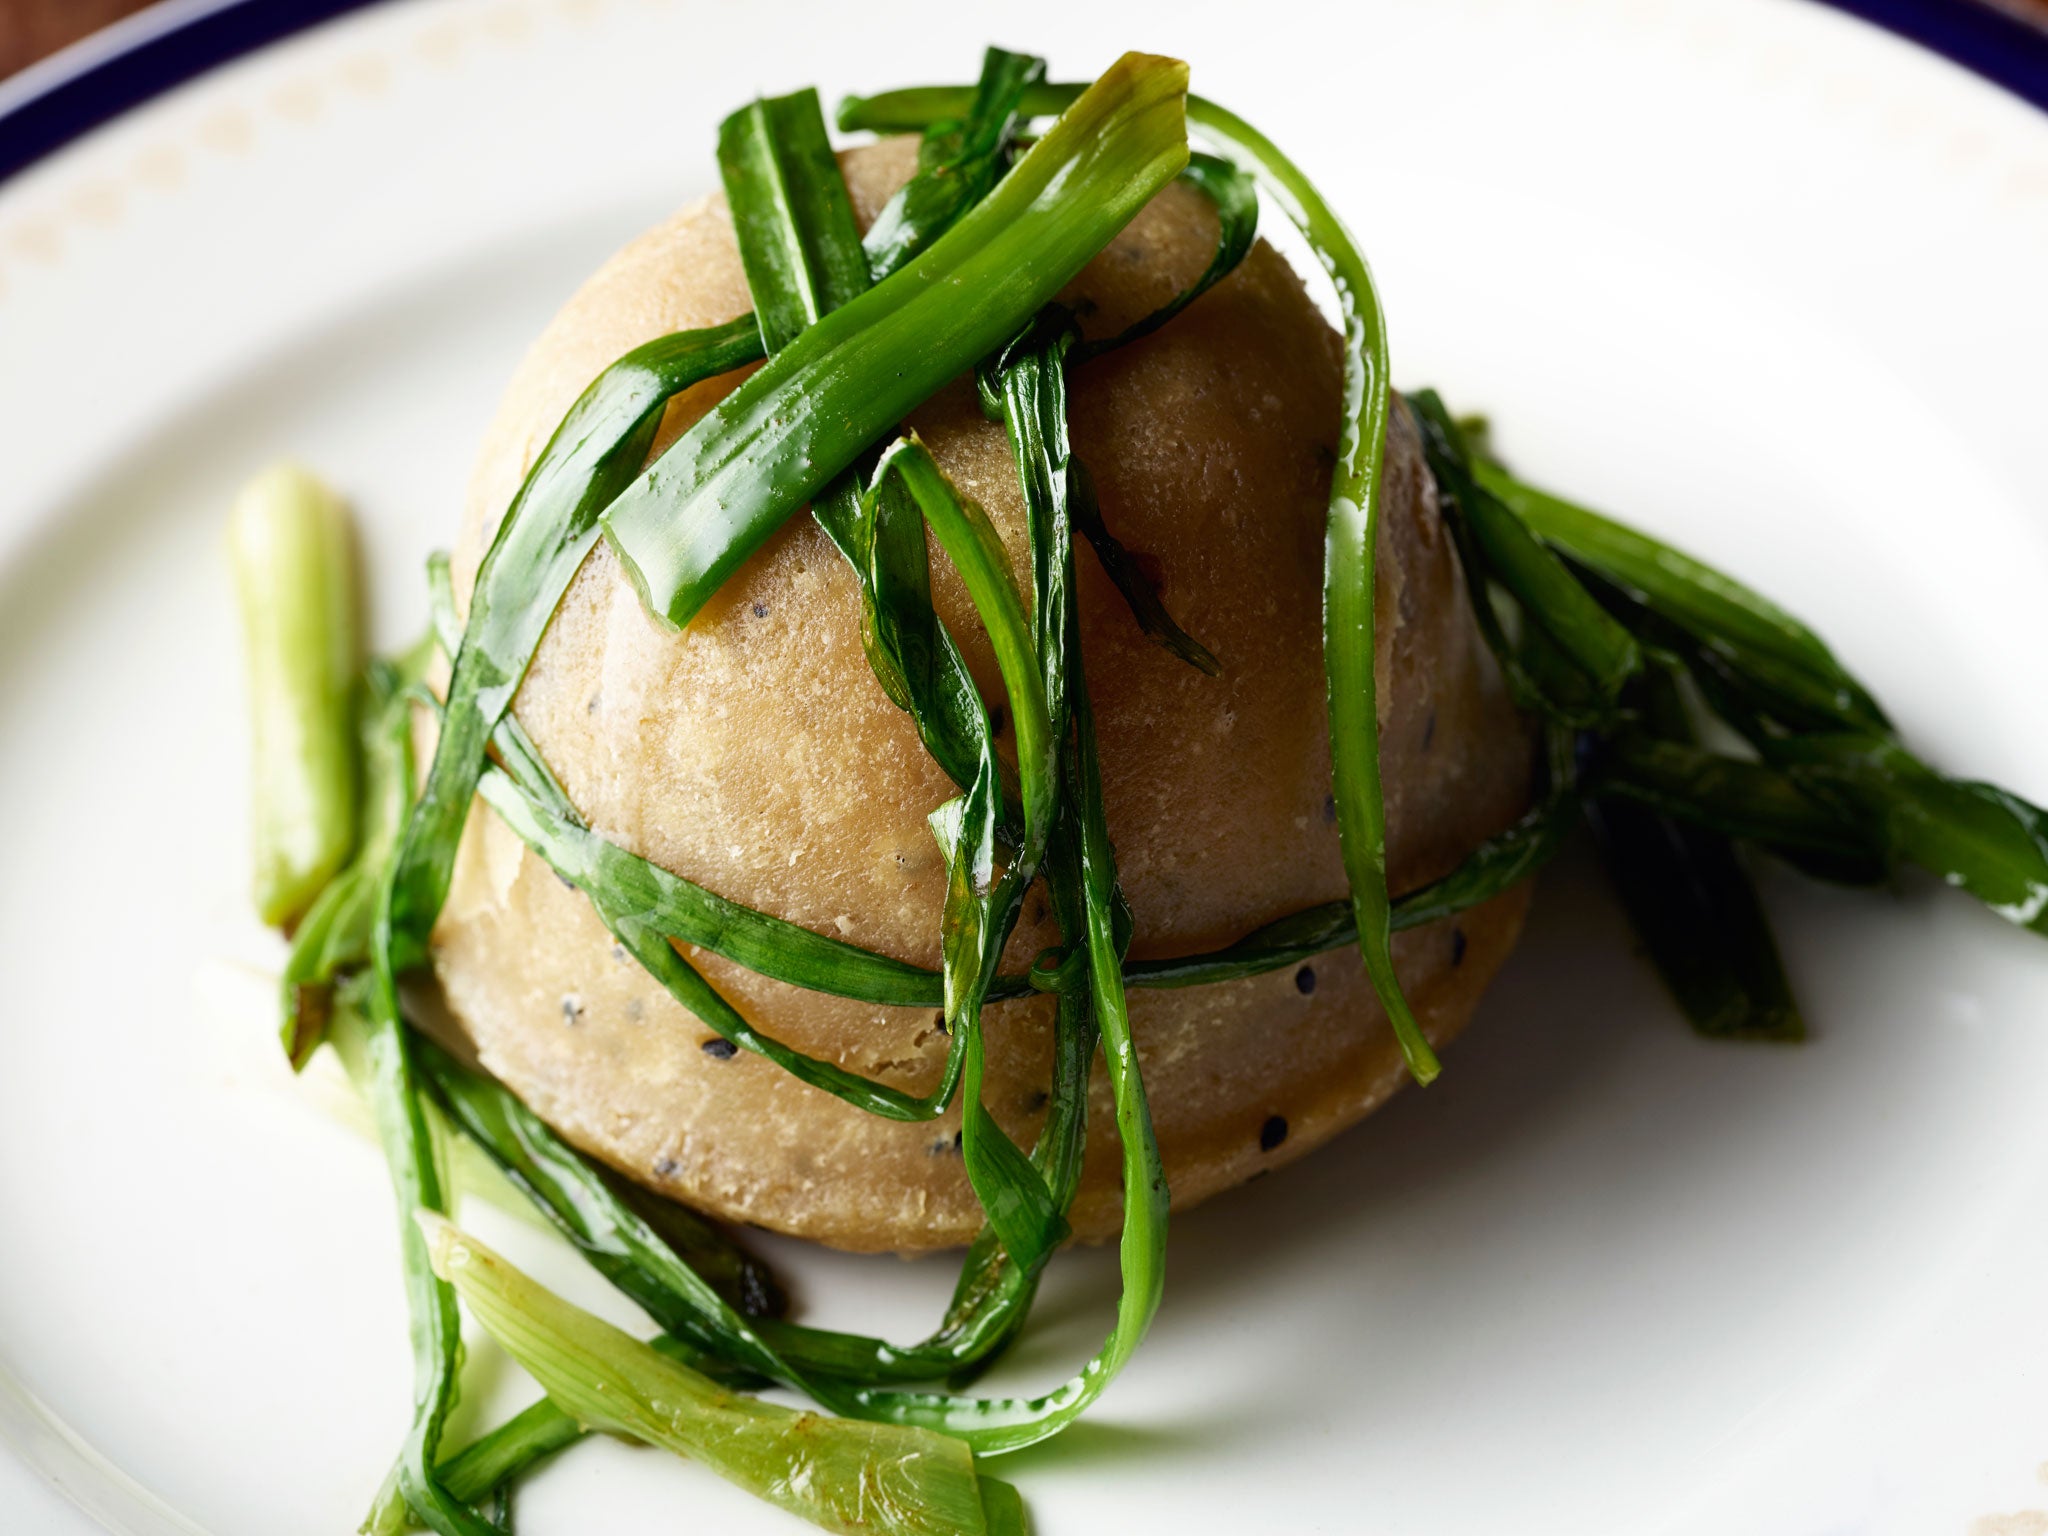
(66, 96)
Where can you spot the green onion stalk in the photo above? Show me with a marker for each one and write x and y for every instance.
(293, 554)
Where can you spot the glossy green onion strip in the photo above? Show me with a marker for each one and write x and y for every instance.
(908, 649)
(1681, 883)
(1747, 800)
(396, 1107)
(620, 1243)
(958, 162)
(1349, 594)
(1349, 551)
(910, 653)
(1092, 917)
(981, 907)
(1015, 387)
(635, 897)
(996, 1425)
(976, 550)
(334, 936)
(689, 1277)
(988, 1308)
(1712, 605)
(1492, 869)
(1750, 691)
(789, 210)
(1236, 199)
(863, 1479)
(538, 548)
(1692, 905)
(690, 914)
(294, 560)
(1697, 916)
(994, 1290)
(712, 499)
(783, 951)
(1125, 573)
(1507, 552)
(1977, 836)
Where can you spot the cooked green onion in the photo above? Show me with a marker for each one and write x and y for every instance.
(680, 1276)
(807, 414)
(1692, 905)
(1139, 593)
(1496, 544)
(980, 909)
(798, 243)
(1235, 197)
(552, 522)
(334, 936)
(1712, 605)
(295, 576)
(1349, 559)
(995, 1425)
(1743, 799)
(856, 334)
(958, 162)
(538, 548)
(633, 896)
(416, 1181)
(864, 1479)
(1977, 836)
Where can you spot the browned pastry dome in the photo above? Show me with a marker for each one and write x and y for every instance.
(755, 753)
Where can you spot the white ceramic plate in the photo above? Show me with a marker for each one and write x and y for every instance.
(1754, 274)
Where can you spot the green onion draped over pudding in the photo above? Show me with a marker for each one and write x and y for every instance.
(964, 713)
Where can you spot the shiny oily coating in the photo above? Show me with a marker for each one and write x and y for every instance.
(755, 754)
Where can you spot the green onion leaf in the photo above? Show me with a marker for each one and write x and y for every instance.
(637, 899)
(1750, 801)
(295, 577)
(1977, 836)
(551, 525)
(1692, 905)
(994, 1425)
(791, 216)
(1492, 869)
(842, 1475)
(691, 914)
(690, 1278)
(958, 163)
(395, 1104)
(976, 550)
(335, 934)
(1745, 688)
(1127, 575)
(916, 660)
(538, 548)
(1349, 552)
(1510, 554)
(1710, 604)
(1349, 558)
(805, 416)
(980, 910)
(1027, 383)
(1697, 915)
(1235, 196)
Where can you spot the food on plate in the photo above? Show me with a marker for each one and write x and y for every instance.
(938, 615)
(756, 754)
